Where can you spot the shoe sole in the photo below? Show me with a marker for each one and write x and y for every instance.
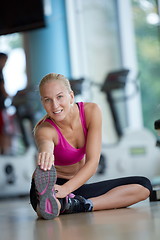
(44, 181)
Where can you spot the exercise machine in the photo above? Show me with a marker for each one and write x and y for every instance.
(16, 168)
(135, 152)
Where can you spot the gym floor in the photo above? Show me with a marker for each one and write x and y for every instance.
(140, 221)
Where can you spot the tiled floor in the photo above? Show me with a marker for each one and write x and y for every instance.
(19, 222)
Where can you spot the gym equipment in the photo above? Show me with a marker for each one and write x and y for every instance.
(135, 152)
(16, 173)
(155, 196)
(16, 169)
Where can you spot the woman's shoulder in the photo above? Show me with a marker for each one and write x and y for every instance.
(92, 111)
(44, 127)
(90, 107)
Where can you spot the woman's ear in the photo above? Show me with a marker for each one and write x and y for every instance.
(72, 97)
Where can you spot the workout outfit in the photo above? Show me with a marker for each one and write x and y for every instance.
(65, 154)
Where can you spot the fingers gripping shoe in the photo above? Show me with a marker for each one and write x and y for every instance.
(44, 181)
(76, 204)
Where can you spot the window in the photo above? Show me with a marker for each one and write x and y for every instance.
(15, 69)
(147, 32)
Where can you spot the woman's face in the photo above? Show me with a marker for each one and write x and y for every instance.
(56, 99)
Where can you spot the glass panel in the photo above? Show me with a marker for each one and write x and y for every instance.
(15, 68)
(147, 31)
(101, 37)
(13, 79)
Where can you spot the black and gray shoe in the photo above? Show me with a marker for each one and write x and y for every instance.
(77, 204)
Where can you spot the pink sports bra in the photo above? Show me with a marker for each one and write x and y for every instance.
(64, 153)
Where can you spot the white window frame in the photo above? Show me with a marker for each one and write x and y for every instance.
(129, 61)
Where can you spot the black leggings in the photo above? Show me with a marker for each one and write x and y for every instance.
(96, 189)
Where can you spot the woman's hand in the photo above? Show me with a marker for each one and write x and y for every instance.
(45, 160)
(61, 191)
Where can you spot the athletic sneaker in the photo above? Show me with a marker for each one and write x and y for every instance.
(49, 209)
(75, 204)
(44, 181)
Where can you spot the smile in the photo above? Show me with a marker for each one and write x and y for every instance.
(59, 111)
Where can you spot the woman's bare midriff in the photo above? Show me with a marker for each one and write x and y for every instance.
(67, 172)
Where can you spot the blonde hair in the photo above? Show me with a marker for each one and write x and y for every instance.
(48, 78)
(55, 77)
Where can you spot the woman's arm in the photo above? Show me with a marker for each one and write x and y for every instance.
(45, 145)
(93, 150)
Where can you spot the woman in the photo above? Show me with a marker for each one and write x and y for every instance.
(69, 145)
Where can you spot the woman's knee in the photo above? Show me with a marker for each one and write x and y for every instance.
(142, 192)
(145, 182)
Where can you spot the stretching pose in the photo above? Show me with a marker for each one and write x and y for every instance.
(68, 139)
